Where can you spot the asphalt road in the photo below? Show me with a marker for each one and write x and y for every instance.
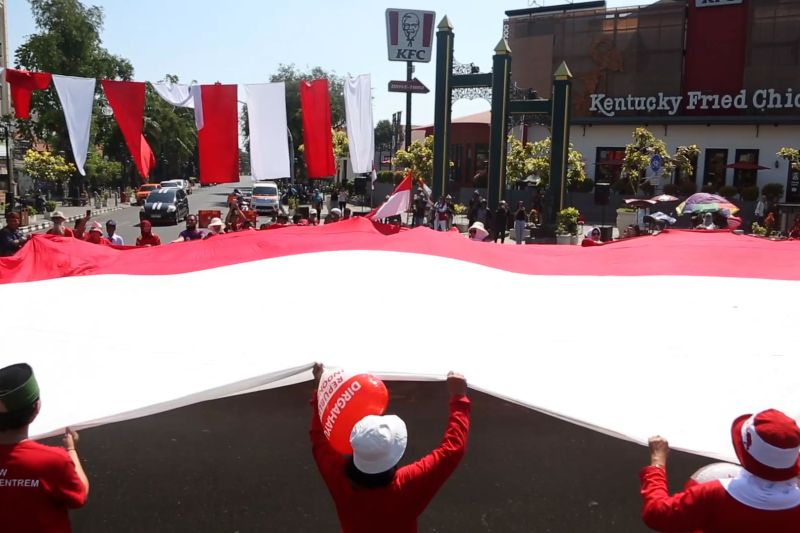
(244, 464)
(215, 197)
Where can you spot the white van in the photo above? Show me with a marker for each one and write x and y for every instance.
(266, 198)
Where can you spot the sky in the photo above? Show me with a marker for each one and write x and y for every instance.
(244, 41)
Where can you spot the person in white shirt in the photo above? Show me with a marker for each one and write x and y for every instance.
(761, 210)
(343, 198)
(113, 238)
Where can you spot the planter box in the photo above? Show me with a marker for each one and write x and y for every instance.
(563, 239)
(624, 220)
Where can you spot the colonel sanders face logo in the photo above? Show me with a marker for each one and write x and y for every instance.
(410, 27)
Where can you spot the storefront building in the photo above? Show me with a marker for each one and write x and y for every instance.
(721, 74)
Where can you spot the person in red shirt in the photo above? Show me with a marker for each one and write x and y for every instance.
(370, 492)
(95, 234)
(764, 496)
(147, 238)
(38, 484)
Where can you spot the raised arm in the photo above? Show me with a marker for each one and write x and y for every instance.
(684, 511)
(330, 463)
(426, 476)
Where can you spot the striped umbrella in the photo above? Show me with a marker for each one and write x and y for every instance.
(706, 203)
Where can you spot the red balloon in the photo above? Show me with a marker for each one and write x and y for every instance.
(344, 399)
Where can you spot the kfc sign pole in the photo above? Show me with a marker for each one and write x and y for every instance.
(409, 35)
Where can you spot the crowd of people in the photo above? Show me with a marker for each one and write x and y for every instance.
(39, 484)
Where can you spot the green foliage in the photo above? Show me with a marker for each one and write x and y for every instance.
(750, 194)
(67, 42)
(622, 186)
(773, 191)
(31, 210)
(640, 152)
(340, 144)
(792, 155)
(567, 221)
(50, 206)
(460, 209)
(728, 191)
(44, 166)
(385, 176)
(383, 135)
(418, 158)
(102, 171)
(761, 231)
(533, 159)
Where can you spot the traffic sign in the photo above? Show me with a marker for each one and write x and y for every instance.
(403, 86)
(410, 34)
(656, 163)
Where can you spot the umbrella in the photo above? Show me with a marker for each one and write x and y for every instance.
(664, 198)
(746, 165)
(706, 203)
(640, 203)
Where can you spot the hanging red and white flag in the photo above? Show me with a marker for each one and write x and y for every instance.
(398, 201)
(77, 98)
(23, 83)
(126, 99)
(317, 136)
(217, 116)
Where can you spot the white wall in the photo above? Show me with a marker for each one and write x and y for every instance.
(768, 139)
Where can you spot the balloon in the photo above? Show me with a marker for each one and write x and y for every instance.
(713, 472)
(345, 398)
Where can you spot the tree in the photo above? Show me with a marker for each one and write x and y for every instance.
(418, 159)
(639, 155)
(533, 159)
(101, 171)
(68, 42)
(44, 166)
(383, 135)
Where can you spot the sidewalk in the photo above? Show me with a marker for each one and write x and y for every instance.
(71, 213)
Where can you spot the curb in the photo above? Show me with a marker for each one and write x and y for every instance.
(46, 224)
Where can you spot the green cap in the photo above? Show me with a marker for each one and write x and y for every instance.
(18, 388)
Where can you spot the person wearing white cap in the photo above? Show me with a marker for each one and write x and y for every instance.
(58, 219)
(215, 227)
(370, 492)
(763, 496)
(94, 234)
(312, 217)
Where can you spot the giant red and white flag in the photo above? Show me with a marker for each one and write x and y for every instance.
(398, 201)
(662, 334)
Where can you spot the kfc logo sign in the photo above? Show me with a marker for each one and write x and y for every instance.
(410, 34)
(716, 3)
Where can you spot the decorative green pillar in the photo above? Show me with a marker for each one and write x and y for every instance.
(501, 78)
(442, 107)
(562, 102)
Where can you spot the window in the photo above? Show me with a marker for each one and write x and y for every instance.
(744, 177)
(714, 171)
(608, 164)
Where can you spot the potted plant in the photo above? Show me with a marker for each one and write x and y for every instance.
(459, 210)
(31, 214)
(567, 226)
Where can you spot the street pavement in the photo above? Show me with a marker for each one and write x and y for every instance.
(244, 464)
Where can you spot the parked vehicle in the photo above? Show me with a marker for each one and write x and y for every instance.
(144, 190)
(169, 205)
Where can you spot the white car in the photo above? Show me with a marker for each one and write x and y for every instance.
(266, 198)
(177, 184)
